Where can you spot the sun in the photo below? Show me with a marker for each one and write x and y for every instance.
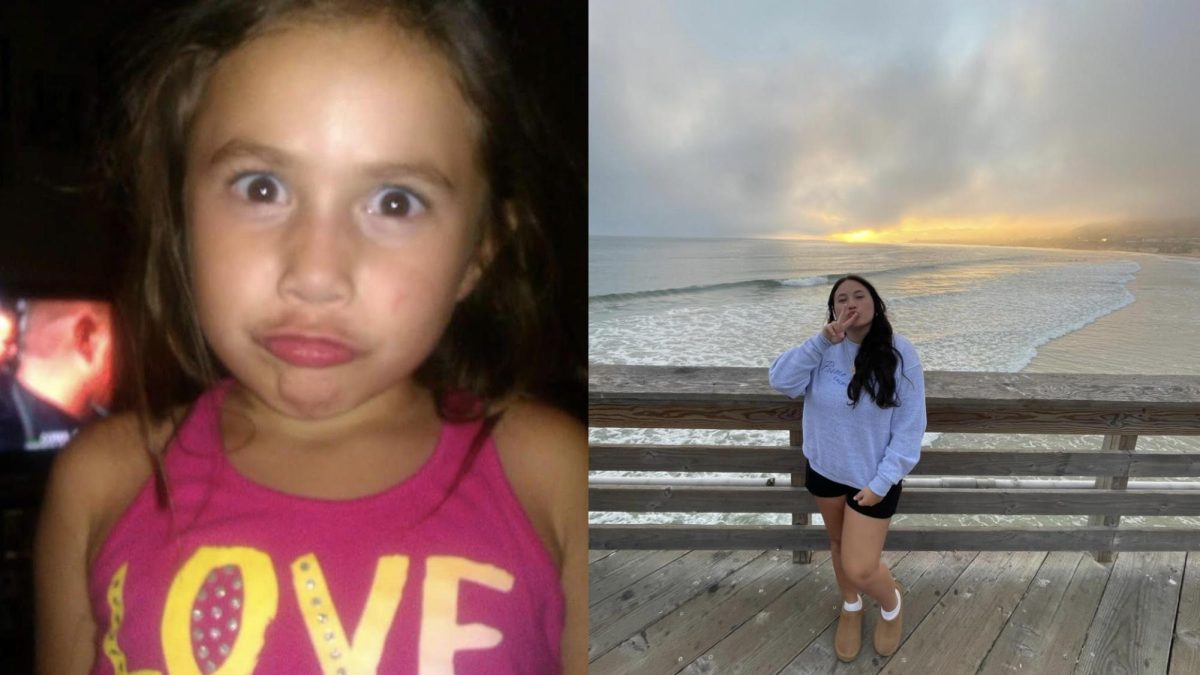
(855, 237)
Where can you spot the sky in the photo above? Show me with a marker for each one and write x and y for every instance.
(890, 121)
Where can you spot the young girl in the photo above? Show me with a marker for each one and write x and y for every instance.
(864, 416)
(338, 242)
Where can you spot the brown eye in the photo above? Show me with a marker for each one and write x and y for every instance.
(259, 188)
(393, 202)
(262, 190)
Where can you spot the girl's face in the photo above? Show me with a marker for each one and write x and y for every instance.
(334, 198)
(852, 296)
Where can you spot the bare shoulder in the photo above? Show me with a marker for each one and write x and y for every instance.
(544, 454)
(543, 440)
(543, 428)
(99, 473)
(90, 483)
(98, 454)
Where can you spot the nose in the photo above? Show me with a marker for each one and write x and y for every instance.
(318, 261)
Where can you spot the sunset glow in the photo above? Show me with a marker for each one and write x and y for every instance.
(989, 229)
(857, 236)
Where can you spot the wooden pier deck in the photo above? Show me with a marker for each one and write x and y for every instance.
(994, 612)
(997, 599)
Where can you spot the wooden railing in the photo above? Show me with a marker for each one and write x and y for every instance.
(1119, 408)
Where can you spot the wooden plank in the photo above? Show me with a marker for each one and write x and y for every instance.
(607, 382)
(619, 559)
(1048, 627)
(712, 613)
(694, 415)
(761, 537)
(1122, 445)
(740, 499)
(708, 458)
(724, 398)
(595, 555)
(926, 575)
(621, 573)
(1026, 462)
(1163, 464)
(1034, 417)
(957, 633)
(799, 518)
(940, 462)
(1185, 648)
(1155, 539)
(773, 637)
(1131, 632)
(641, 604)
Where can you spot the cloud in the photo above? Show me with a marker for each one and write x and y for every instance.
(813, 118)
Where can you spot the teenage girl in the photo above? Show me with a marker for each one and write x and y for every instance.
(338, 238)
(864, 416)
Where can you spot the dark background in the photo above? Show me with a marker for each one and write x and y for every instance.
(57, 88)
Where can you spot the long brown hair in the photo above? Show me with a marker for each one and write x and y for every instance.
(875, 364)
(491, 345)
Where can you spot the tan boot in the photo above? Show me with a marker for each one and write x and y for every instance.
(887, 633)
(848, 639)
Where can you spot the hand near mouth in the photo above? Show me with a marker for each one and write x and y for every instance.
(835, 331)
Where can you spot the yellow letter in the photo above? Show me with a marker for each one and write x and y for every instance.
(116, 609)
(441, 634)
(260, 602)
(325, 626)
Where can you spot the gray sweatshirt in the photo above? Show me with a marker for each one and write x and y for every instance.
(860, 446)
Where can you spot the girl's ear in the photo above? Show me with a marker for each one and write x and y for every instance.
(485, 252)
(474, 272)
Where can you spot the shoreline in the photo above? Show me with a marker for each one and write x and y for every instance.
(1117, 343)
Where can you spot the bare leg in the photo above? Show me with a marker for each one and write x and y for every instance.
(862, 546)
(831, 512)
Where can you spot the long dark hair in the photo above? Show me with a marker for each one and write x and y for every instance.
(492, 345)
(875, 365)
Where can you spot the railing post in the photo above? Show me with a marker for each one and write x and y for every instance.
(797, 441)
(1114, 443)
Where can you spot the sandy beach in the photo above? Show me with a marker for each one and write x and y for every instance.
(1157, 334)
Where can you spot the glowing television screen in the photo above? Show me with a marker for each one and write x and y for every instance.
(56, 369)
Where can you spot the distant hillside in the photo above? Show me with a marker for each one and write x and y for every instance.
(1174, 238)
(1137, 231)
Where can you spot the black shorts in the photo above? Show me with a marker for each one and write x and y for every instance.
(820, 486)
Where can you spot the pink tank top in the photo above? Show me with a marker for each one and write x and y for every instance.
(442, 573)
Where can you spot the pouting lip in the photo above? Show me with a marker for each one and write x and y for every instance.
(327, 337)
(307, 349)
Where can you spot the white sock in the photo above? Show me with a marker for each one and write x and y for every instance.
(888, 616)
(852, 607)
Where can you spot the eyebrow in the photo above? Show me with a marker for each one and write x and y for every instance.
(425, 171)
(240, 148)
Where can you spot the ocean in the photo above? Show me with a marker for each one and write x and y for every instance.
(741, 302)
